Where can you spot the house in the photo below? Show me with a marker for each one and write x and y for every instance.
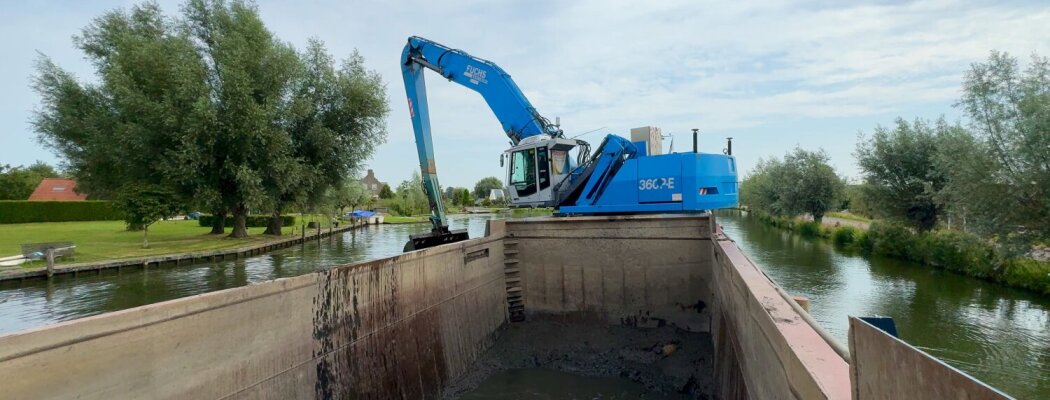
(372, 184)
(496, 194)
(57, 189)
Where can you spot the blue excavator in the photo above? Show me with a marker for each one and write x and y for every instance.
(545, 168)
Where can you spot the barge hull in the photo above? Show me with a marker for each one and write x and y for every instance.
(409, 326)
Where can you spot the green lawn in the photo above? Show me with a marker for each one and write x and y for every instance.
(106, 240)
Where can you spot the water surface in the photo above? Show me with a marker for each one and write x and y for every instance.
(36, 302)
(994, 333)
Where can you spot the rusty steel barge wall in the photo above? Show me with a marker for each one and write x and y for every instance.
(764, 348)
(617, 269)
(399, 327)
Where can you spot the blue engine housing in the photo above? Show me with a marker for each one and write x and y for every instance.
(669, 183)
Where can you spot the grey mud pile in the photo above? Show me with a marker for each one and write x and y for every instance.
(666, 360)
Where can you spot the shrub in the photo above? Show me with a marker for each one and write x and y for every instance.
(891, 239)
(252, 221)
(22, 211)
(960, 252)
(1029, 274)
(844, 236)
(862, 241)
(811, 229)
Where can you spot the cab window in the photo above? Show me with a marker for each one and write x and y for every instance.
(523, 171)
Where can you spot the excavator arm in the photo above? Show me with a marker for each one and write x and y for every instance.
(514, 112)
(621, 177)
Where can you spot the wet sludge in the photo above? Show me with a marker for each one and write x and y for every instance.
(665, 362)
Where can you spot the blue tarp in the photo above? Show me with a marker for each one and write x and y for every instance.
(361, 214)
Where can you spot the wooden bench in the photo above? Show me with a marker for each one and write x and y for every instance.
(36, 251)
(48, 252)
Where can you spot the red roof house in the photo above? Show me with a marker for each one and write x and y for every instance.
(57, 189)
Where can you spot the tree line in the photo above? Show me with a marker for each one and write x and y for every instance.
(209, 109)
(988, 174)
(17, 183)
(410, 199)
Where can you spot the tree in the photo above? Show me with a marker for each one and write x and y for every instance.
(351, 194)
(385, 192)
(211, 106)
(855, 201)
(133, 126)
(485, 185)
(803, 183)
(144, 205)
(900, 172)
(335, 121)
(810, 184)
(411, 198)
(465, 199)
(760, 190)
(18, 183)
(999, 175)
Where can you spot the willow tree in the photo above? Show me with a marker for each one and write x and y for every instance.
(901, 176)
(999, 173)
(211, 106)
(335, 119)
(801, 183)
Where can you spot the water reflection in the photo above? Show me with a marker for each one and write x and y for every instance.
(39, 302)
(997, 334)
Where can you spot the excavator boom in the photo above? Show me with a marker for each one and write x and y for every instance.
(623, 176)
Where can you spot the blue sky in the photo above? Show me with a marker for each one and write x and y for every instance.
(773, 75)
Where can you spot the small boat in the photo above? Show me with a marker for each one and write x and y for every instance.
(12, 260)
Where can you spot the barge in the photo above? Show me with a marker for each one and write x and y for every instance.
(665, 300)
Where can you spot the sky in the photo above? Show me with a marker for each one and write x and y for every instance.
(772, 75)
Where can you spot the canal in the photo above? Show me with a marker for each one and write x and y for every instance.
(36, 302)
(997, 334)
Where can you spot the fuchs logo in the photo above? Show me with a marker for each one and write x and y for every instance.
(475, 74)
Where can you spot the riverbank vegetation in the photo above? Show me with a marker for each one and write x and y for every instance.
(951, 250)
(208, 110)
(972, 199)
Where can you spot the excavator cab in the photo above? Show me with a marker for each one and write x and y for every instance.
(537, 166)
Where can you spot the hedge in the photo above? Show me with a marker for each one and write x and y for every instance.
(256, 221)
(23, 211)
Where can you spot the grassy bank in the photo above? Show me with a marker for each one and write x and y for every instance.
(949, 250)
(849, 217)
(108, 240)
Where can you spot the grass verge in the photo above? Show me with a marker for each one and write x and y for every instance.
(849, 216)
